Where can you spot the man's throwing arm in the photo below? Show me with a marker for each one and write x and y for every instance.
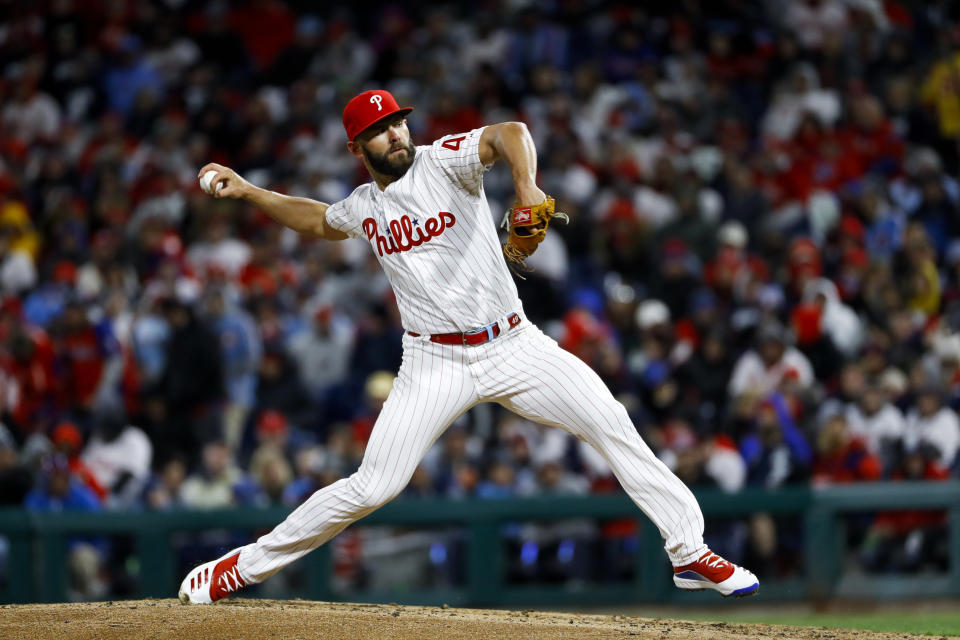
(300, 214)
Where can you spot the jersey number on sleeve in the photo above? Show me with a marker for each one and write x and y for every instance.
(453, 143)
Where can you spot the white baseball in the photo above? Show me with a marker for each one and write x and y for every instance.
(206, 182)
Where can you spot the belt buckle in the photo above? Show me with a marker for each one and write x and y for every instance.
(487, 329)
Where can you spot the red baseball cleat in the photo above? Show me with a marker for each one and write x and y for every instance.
(713, 572)
(212, 581)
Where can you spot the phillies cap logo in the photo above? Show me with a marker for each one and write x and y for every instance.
(521, 216)
(367, 108)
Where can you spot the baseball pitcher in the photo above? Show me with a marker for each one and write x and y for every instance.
(466, 339)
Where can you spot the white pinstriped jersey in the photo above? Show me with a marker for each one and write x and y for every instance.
(434, 236)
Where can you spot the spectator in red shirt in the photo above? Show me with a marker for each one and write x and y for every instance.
(842, 458)
(81, 357)
(870, 137)
(27, 361)
(266, 271)
(267, 27)
(818, 159)
(451, 115)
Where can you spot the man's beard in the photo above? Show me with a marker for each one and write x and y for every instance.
(385, 164)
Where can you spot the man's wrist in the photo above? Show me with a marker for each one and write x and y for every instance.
(528, 192)
(257, 195)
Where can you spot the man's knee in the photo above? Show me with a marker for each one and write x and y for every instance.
(370, 495)
(607, 413)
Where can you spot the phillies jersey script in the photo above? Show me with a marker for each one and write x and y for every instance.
(432, 232)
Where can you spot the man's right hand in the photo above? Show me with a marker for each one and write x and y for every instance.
(234, 186)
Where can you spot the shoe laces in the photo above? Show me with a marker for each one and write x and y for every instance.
(230, 580)
(713, 561)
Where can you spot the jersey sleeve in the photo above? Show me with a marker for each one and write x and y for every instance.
(458, 157)
(341, 216)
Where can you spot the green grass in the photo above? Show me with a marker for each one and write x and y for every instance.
(935, 623)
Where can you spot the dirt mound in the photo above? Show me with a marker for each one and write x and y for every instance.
(240, 619)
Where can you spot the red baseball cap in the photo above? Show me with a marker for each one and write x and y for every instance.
(368, 108)
(67, 433)
(272, 422)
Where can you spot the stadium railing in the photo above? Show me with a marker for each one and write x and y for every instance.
(37, 546)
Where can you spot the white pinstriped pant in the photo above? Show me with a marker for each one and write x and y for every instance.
(525, 371)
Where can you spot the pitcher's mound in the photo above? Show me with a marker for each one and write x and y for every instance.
(239, 619)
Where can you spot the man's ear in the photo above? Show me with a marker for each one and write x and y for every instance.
(354, 148)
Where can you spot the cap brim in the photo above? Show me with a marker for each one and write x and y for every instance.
(403, 111)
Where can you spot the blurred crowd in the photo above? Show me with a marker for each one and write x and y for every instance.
(762, 261)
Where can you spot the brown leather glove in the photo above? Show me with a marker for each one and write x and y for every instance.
(527, 227)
